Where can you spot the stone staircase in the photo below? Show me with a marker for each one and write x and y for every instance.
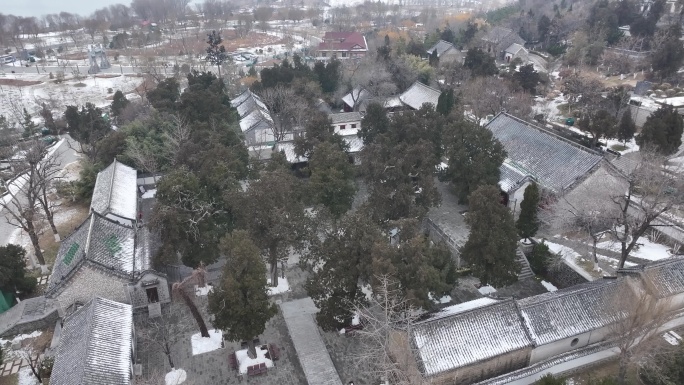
(525, 269)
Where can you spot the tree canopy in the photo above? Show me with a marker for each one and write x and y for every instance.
(13, 270)
(662, 130)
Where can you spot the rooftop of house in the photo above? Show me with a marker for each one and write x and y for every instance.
(343, 41)
(357, 95)
(514, 48)
(474, 334)
(95, 345)
(419, 94)
(555, 162)
(107, 244)
(116, 191)
(512, 176)
(441, 47)
(666, 277)
(345, 117)
(251, 110)
(570, 312)
(448, 216)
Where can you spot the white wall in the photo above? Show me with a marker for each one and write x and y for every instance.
(544, 352)
(516, 198)
(348, 130)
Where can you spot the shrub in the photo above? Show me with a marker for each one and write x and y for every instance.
(540, 258)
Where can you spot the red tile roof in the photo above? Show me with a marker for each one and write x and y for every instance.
(342, 41)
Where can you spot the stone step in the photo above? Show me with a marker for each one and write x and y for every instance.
(525, 269)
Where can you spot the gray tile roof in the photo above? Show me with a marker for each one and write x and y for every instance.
(357, 94)
(418, 94)
(468, 337)
(441, 47)
(666, 276)
(252, 111)
(100, 241)
(512, 176)
(554, 162)
(344, 117)
(95, 346)
(116, 191)
(515, 48)
(569, 312)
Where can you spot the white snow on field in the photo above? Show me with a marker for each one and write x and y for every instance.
(175, 377)
(20, 337)
(26, 377)
(203, 291)
(149, 194)
(484, 290)
(645, 249)
(282, 287)
(245, 362)
(203, 344)
(571, 257)
(549, 286)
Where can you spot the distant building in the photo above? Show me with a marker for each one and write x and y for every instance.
(411, 99)
(498, 39)
(342, 45)
(446, 52)
(515, 51)
(96, 346)
(256, 122)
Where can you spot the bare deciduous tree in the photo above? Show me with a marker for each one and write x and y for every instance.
(639, 316)
(387, 353)
(165, 331)
(180, 290)
(287, 110)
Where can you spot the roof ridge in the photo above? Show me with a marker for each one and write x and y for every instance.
(499, 301)
(90, 232)
(424, 85)
(562, 294)
(111, 186)
(550, 133)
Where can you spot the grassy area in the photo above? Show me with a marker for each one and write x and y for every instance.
(618, 147)
(64, 227)
(605, 370)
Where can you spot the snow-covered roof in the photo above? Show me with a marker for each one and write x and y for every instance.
(103, 242)
(441, 47)
(254, 118)
(555, 162)
(242, 98)
(512, 176)
(252, 111)
(356, 95)
(354, 142)
(419, 94)
(497, 34)
(514, 48)
(116, 191)
(249, 105)
(469, 336)
(289, 149)
(345, 117)
(665, 277)
(392, 102)
(95, 346)
(570, 312)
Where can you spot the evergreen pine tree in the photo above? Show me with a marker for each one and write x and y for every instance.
(239, 303)
(119, 103)
(29, 126)
(626, 127)
(491, 246)
(528, 223)
(13, 270)
(445, 102)
(662, 131)
(433, 59)
(332, 179)
(216, 52)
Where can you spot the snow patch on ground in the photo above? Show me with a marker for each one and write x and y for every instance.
(203, 344)
(175, 377)
(442, 300)
(571, 257)
(282, 287)
(549, 286)
(20, 337)
(484, 290)
(645, 249)
(26, 377)
(203, 291)
(245, 362)
(149, 194)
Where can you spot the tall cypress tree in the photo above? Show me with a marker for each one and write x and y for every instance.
(491, 246)
(627, 127)
(239, 303)
(528, 223)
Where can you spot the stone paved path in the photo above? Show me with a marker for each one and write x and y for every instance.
(12, 367)
(312, 353)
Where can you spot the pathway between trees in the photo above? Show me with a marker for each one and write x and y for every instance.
(313, 355)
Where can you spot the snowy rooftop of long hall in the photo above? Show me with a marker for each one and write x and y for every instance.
(482, 332)
(95, 346)
(116, 191)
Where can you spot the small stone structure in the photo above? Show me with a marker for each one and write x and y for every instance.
(98, 58)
